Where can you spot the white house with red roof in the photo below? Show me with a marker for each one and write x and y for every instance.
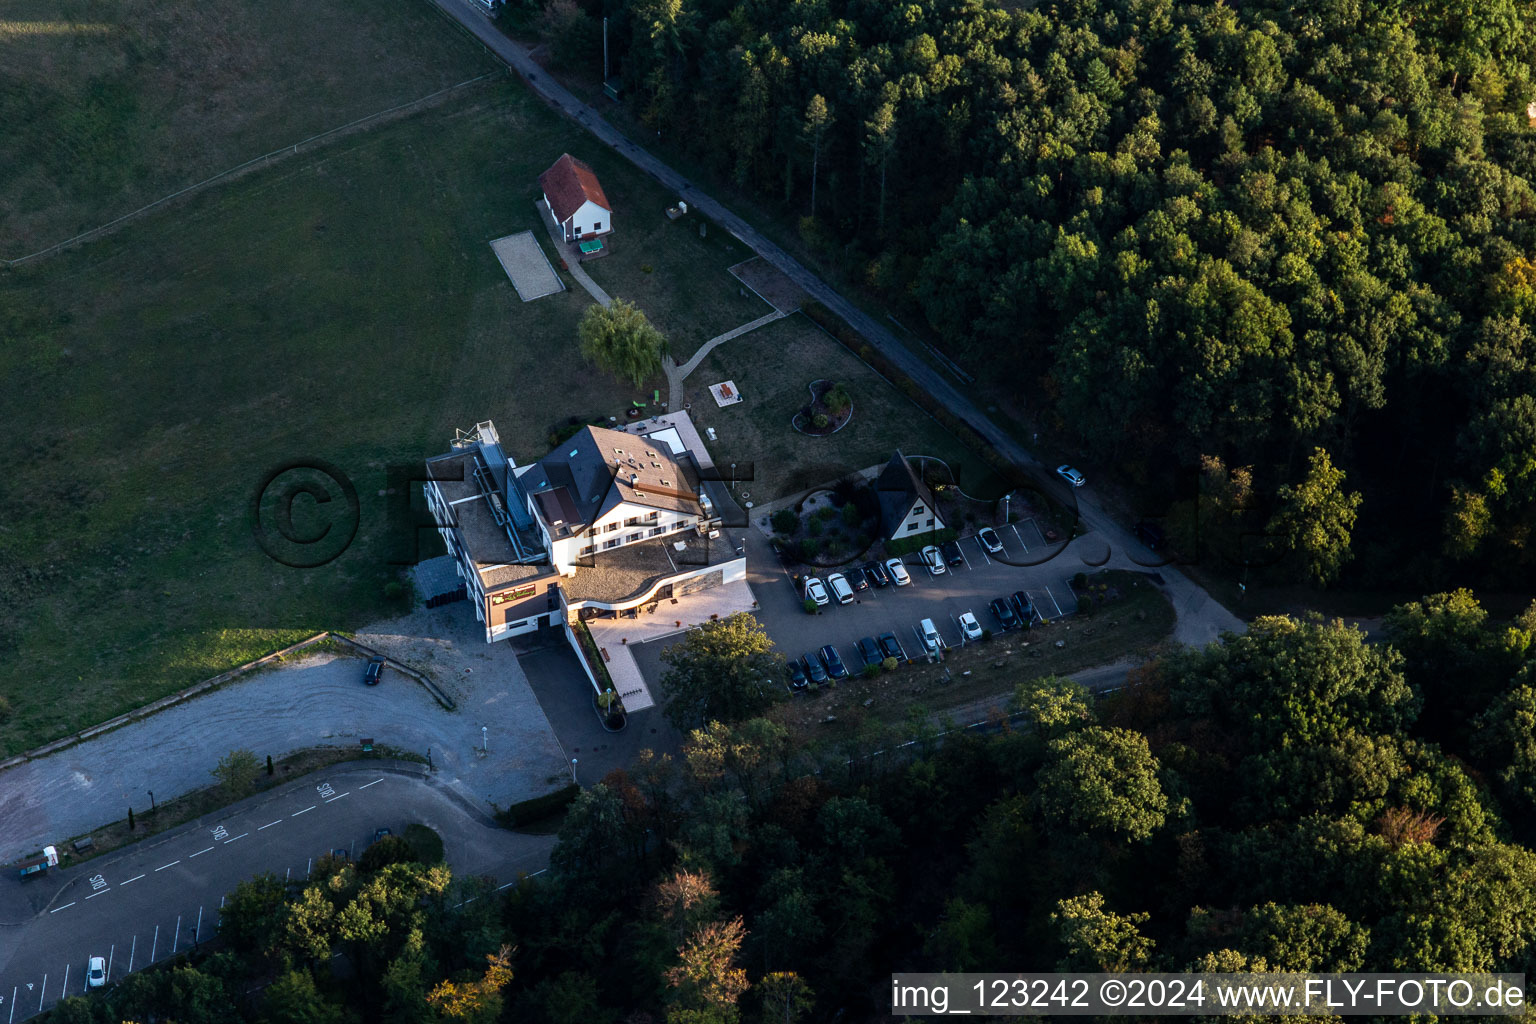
(575, 199)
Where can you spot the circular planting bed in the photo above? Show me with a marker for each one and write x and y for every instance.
(830, 409)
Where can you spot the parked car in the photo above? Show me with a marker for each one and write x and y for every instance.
(1070, 475)
(898, 571)
(96, 972)
(1021, 607)
(1004, 613)
(952, 553)
(969, 626)
(928, 633)
(990, 542)
(877, 574)
(934, 560)
(834, 662)
(341, 853)
(841, 591)
(813, 668)
(870, 651)
(857, 579)
(374, 671)
(891, 647)
(817, 591)
(796, 674)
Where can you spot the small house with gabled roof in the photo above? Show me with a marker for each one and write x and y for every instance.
(575, 199)
(906, 505)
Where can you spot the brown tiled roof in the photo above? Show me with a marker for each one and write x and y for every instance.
(568, 184)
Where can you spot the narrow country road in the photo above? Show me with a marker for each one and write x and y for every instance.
(1201, 618)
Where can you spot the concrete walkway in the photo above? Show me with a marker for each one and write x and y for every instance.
(1201, 618)
(572, 264)
(677, 374)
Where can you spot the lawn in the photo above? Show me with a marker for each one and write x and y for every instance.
(342, 305)
(1132, 626)
(772, 367)
(664, 267)
(111, 104)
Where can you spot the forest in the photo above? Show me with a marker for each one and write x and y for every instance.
(1294, 799)
(1254, 236)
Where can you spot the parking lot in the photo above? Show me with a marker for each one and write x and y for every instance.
(967, 587)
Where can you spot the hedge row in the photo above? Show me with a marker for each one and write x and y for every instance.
(540, 807)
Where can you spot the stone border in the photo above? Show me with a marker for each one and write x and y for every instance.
(197, 689)
(794, 420)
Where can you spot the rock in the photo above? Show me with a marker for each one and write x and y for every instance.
(867, 703)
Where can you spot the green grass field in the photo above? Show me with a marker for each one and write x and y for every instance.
(111, 104)
(772, 367)
(343, 305)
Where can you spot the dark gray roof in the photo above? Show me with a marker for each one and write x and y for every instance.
(897, 487)
(598, 468)
(630, 570)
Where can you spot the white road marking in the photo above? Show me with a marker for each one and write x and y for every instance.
(308, 863)
(66, 906)
(501, 887)
(242, 835)
(109, 960)
(337, 797)
(269, 824)
(135, 878)
(306, 810)
(375, 782)
(172, 864)
(1053, 601)
(177, 940)
(95, 894)
(286, 873)
(132, 950)
(13, 1005)
(40, 994)
(1020, 537)
(198, 933)
(65, 987)
(155, 946)
(199, 853)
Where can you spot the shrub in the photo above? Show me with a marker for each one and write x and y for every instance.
(427, 844)
(851, 515)
(786, 522)
(5, 710)
(870, 671)
(384, 852)
(537, 809)
(826, 512)
(889, 664)
(810, 609)
(837, 400)
(814, 527)
(986, 634)
(820, 421)
(809, 548)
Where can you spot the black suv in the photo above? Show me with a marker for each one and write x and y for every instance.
(856, 578)
(1022, 607)
(952, 555)
(374, 671)
(1004, 613)
(877, 574)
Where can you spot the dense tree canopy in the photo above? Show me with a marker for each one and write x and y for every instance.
(1245, 231)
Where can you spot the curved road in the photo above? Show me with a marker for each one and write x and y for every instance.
(1201, 619)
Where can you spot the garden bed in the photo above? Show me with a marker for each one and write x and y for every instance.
(829, 410)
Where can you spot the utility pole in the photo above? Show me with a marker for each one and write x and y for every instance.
(605, 51)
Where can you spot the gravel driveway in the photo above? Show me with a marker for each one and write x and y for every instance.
(318, 700)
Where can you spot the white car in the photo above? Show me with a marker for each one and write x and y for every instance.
(1070, 475)
(96, 972)
(817, 591)
(989, 540)
(933, 558)
(898, 570)
(969, 626)
(842, 590)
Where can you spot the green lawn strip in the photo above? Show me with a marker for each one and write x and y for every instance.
(772, 367)
(115, 104)
(1132, 626)
(344, 306)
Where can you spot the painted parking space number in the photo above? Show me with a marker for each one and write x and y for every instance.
(220, 833)
(325, 790)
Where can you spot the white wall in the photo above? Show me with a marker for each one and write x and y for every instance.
(916, 521)
(567, 551)
(584, 223)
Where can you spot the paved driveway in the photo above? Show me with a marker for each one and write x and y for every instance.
(141, 904)
(315, 701)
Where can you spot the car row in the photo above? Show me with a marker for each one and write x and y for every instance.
(840, 586)
(825, 664)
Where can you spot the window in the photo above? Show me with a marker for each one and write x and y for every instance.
(657, 531)
(652, 515)
(632, 521)
(634, 536)
(578, 231)
(588, 549)
(917, 509)
(610, 527)
(611, 543)
(930, 522)
(597, 225)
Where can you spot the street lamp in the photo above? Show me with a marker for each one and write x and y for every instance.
(151, 801)
(733, 476)
(484, 740)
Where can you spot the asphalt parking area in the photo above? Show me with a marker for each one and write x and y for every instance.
(968, 586)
